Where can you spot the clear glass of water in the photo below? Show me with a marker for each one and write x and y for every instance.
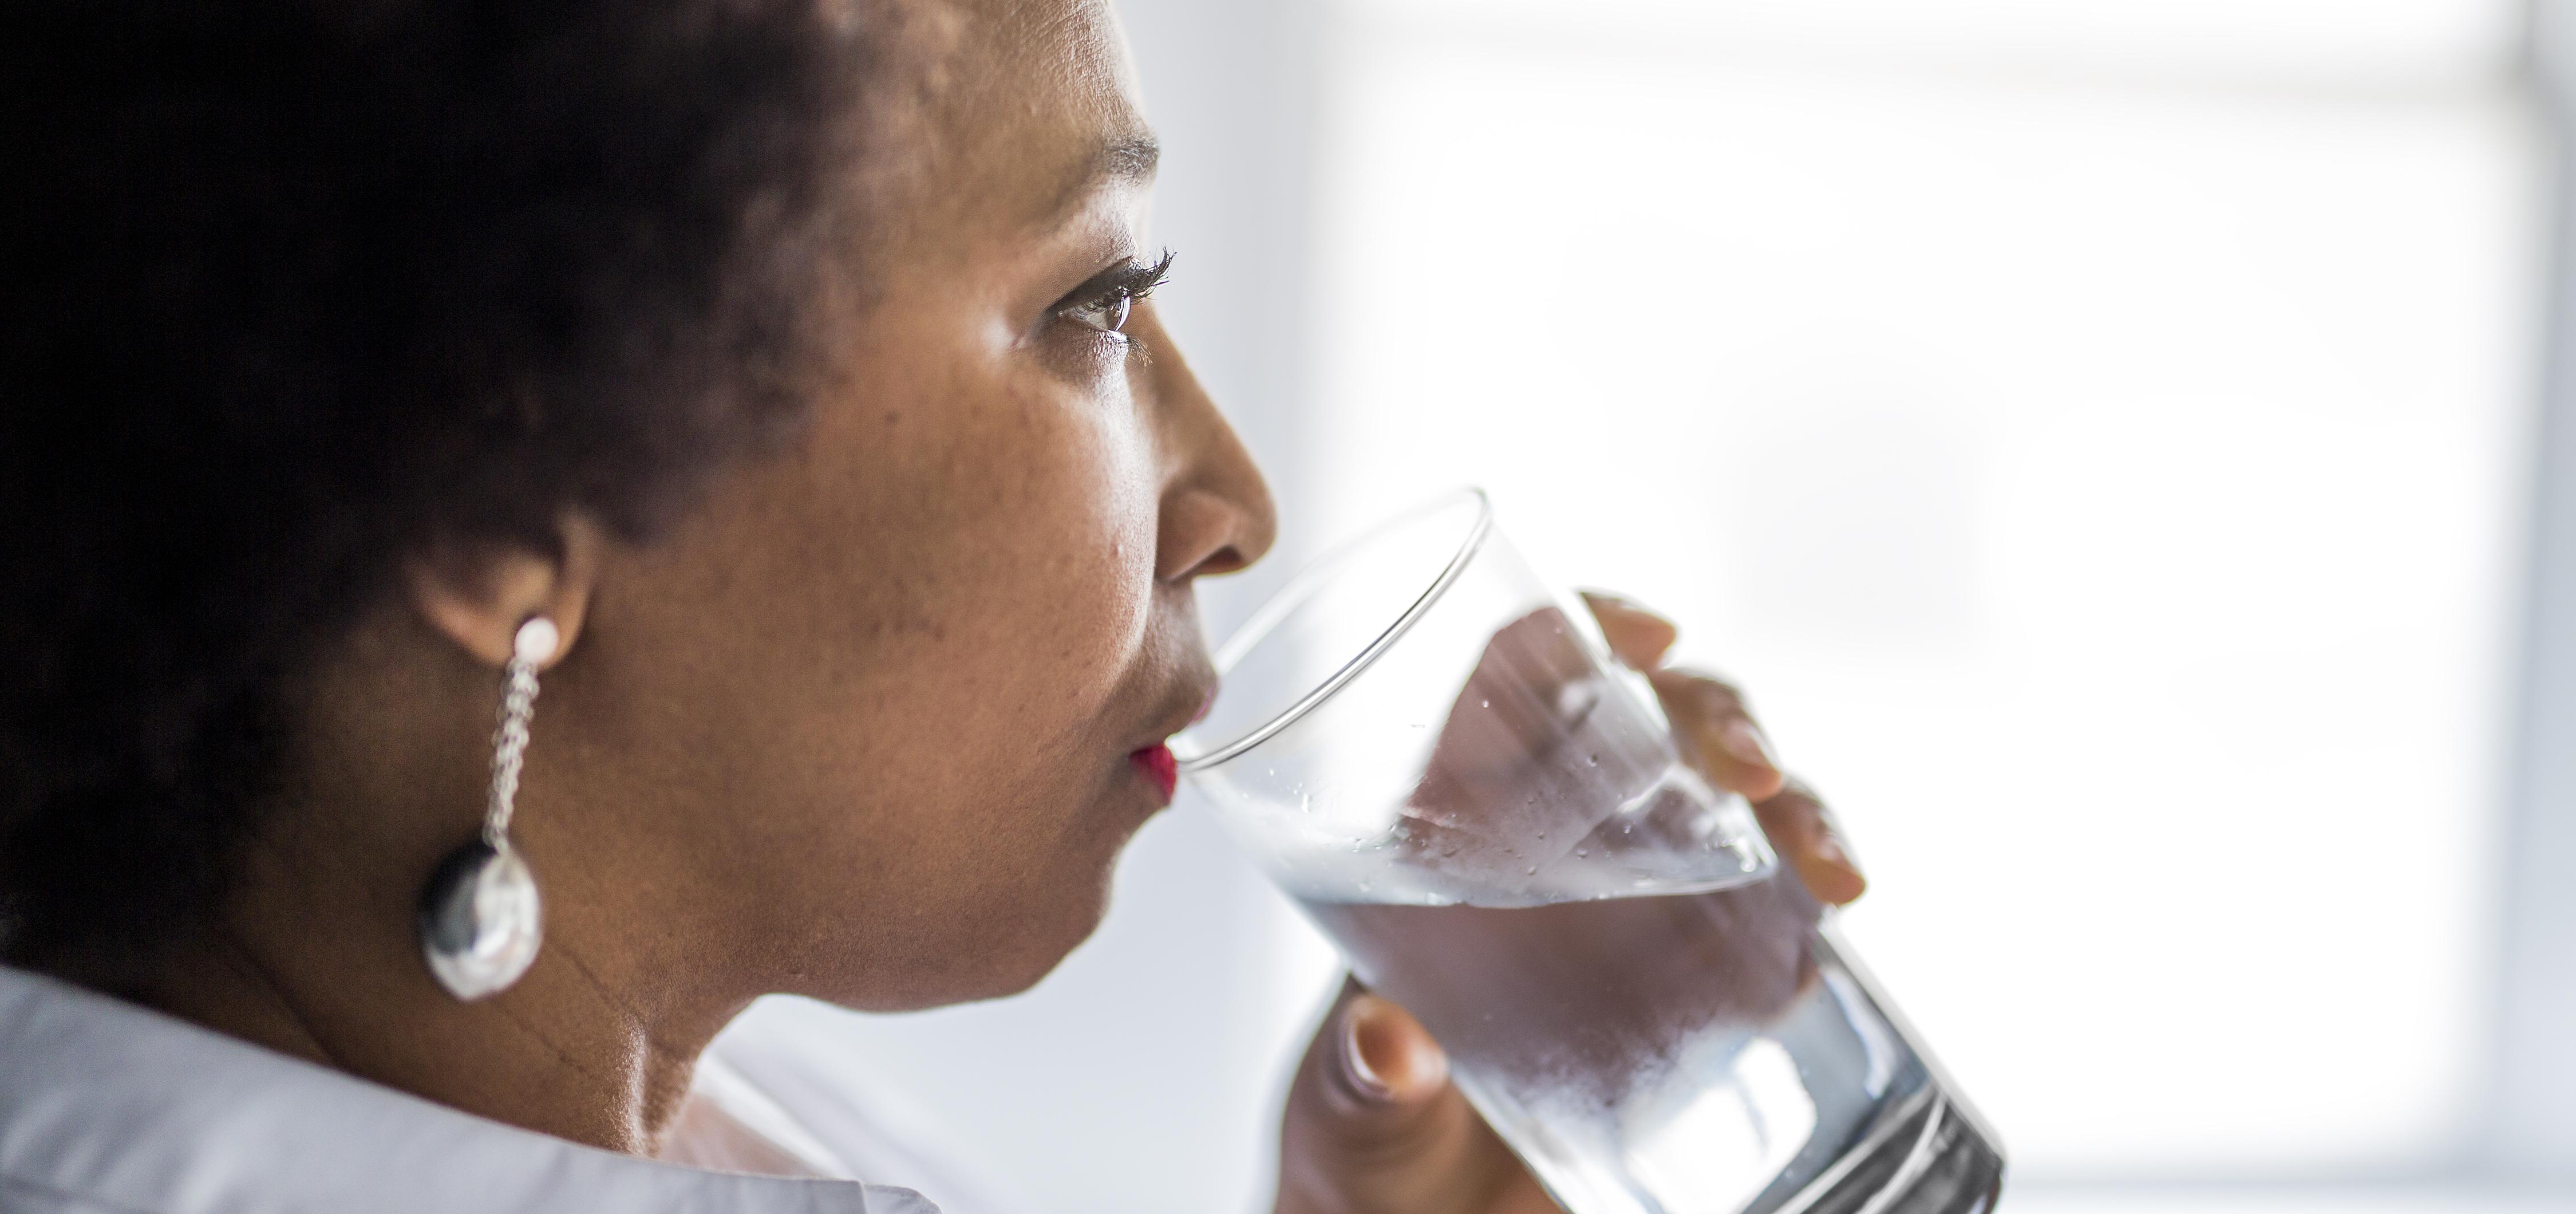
(1433, 753)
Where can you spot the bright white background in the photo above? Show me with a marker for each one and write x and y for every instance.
(2100, 433)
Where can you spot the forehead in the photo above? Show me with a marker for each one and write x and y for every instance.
(1022, 101)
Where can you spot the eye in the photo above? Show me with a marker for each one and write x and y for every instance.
(1103, 303)
(1107, 314)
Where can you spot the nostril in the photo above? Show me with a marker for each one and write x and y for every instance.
(1224, 560)
(1204, 534)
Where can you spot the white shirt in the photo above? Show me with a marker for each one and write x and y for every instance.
(110, 1108)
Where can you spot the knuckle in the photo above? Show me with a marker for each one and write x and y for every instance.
(1611, 600)
(1706, 691)
(1795, 794)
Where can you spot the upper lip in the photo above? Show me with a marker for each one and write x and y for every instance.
(1187, 704)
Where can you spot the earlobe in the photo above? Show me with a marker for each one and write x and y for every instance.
(477, 592)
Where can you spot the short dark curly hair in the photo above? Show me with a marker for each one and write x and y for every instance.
(292, 287)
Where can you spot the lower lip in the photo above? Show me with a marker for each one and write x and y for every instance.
(1159, 768)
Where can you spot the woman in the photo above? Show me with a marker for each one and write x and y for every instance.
(791, 360)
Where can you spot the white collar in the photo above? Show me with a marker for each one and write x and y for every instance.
(111, 1106)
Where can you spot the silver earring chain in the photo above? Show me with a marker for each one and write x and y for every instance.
(535, 642)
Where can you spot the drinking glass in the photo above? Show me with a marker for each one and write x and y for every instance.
(1432, 752)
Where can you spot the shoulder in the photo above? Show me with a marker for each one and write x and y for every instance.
(109, 1108)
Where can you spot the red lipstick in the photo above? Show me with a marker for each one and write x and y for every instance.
(1159, 768)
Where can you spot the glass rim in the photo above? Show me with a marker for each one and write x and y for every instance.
(1285, 602)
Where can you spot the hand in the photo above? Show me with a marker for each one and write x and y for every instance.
(1373, 1125)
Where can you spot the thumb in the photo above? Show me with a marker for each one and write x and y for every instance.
(1391, 1074)
(1373, 1123)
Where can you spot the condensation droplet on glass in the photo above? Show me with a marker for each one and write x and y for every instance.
(1582, 853)
(1531, 871)
(1484, 703)
(1592, 760)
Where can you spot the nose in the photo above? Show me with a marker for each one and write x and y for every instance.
(1217, 516)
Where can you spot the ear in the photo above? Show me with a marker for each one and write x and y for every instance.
(476, 593)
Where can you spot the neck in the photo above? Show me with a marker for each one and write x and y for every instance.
(315, 953)
(571, 1050)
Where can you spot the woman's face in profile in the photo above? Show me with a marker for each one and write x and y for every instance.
(877, 718)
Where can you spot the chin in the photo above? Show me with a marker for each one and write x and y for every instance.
(1035, 924)
(1007, 945)
(988, 931)
(1046, 935)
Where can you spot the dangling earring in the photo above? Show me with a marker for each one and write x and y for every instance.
(479, 922)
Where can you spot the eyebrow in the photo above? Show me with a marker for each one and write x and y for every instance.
(1129, 158)
(1120, 160)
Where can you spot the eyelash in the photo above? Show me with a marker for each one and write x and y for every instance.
(1102, 304)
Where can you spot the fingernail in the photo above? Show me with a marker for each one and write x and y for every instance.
(1744, 740)
(1830, 850)
(1616, 602)
(1355, 1065)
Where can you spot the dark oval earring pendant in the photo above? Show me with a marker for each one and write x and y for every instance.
(479, 920)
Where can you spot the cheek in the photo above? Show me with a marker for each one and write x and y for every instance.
(1044, 568)
(913, 651)
(996, 687)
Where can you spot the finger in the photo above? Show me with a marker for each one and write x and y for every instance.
(1719, 738)
(1640, 637)
(1811, 842)
(1388, 1060)
(1426, 1124)
(1373, 1123)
